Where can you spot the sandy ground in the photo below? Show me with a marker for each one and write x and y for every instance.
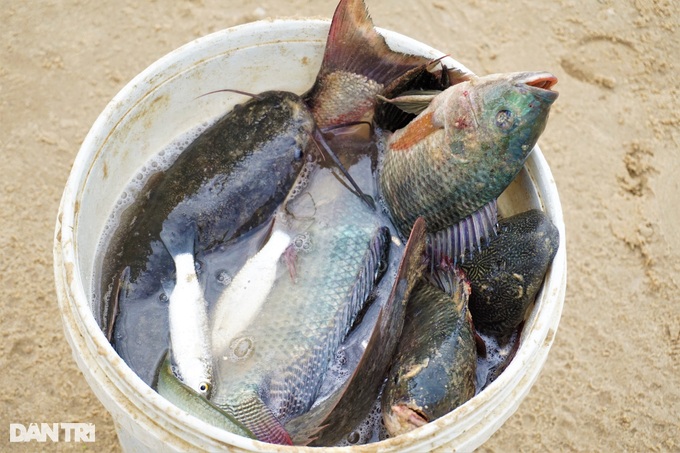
(612, 380)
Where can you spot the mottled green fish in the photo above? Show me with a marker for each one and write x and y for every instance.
(506, 274)
(464, 148)
(433, 370)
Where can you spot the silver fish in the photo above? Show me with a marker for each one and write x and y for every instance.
(188, 313)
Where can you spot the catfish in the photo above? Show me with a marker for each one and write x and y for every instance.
(229, 181)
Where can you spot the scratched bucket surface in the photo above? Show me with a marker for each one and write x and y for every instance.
(163, 102)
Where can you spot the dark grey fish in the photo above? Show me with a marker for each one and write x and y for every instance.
(228, 181)
(506, 275)
(433, 371)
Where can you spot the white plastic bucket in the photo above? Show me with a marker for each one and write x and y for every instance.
(163, 102)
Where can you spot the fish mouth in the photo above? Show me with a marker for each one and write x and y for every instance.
(540, 84)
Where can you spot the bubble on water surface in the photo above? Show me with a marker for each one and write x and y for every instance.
(223, 277)
(241, 348)
(302, 242)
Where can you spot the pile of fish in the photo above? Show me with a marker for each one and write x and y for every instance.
(359, 246)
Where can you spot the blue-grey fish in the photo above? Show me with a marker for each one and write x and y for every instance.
(366, 353)
(272, 370)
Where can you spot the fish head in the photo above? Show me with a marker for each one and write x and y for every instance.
(404, 417)
(505, 113)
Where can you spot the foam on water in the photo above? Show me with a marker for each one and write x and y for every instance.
(160, 161)
(371, 429)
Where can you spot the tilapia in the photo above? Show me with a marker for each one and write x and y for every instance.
(188, 313)
(433, 371)
(507, 273)
(464, 148)
(272, 370)
(174, 390)
(231, 179)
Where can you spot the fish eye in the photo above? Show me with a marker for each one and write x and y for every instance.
(298, 154)
(204, 388)
(504, 119)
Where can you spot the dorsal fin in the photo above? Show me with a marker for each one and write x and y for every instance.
(413, 102)
(335, 415)
(259, 419)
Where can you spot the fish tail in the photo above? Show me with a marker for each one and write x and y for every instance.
(355, 46)
(258, 417)
(179, 239)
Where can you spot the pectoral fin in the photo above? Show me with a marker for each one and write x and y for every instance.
(414, 102)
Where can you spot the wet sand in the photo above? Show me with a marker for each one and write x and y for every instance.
(612, 379)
